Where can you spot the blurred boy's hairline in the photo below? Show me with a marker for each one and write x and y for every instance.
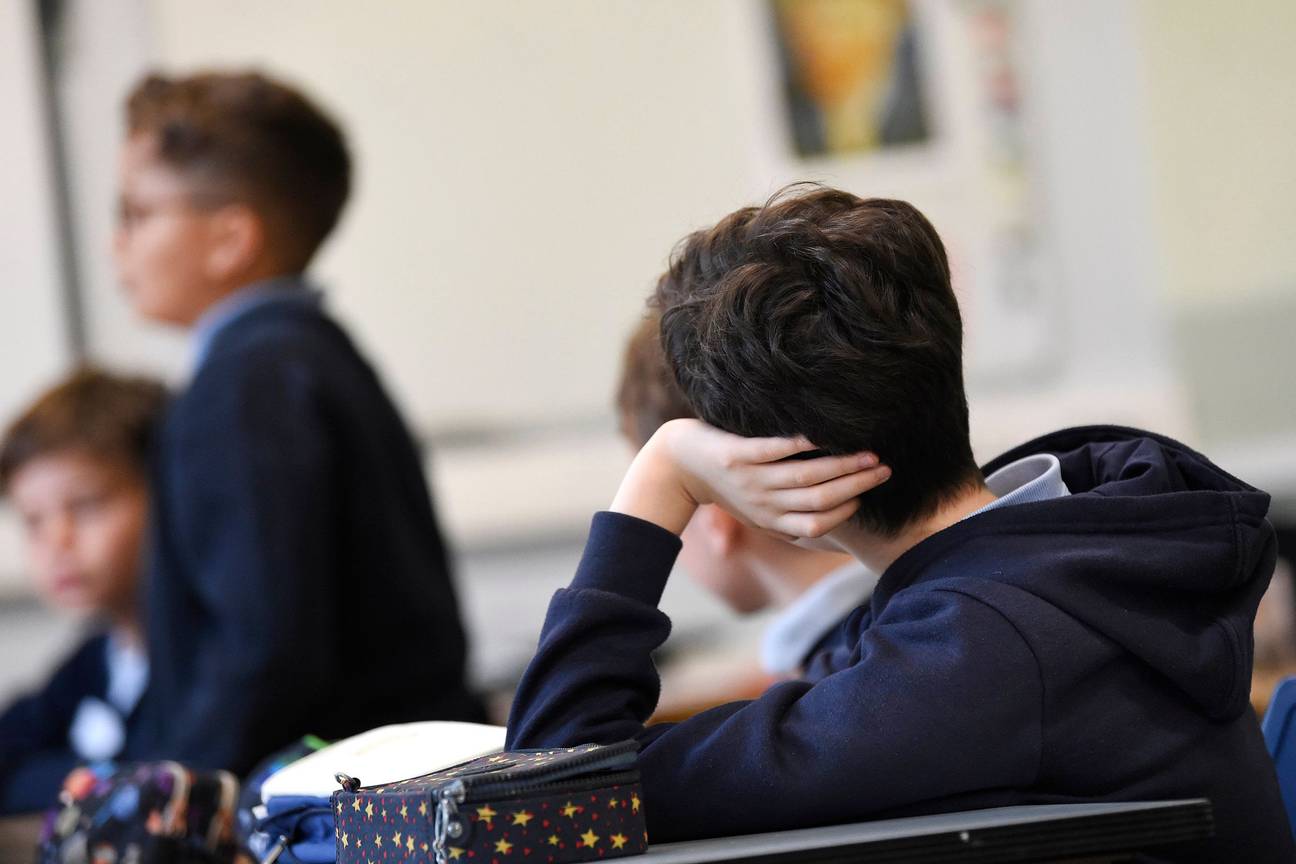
(647, 395)
(92, 413)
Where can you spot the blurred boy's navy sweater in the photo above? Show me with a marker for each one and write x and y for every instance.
(1095, 647)
(298, 582)
(35, 751)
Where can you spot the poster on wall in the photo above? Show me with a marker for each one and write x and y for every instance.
(851, 77)
(927, 101)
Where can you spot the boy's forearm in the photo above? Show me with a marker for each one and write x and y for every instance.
(653, 489)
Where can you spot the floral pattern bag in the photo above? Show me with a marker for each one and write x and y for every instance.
(150, 813)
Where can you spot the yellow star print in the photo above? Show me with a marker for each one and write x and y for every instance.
(369, 810)
(503, 846)
(355, 804)
(618, 840)
(571, 810)
(486, 814)
(590, 838)
(455, 853)
(409, 844)
(634, 803)
(396, 838)
(553, 840)
(346, 844)
(522, 817)
(404, 811)
(612, 802)
(423, 809)
(378, 841)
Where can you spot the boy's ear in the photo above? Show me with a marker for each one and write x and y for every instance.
(236, 235)
(724, 532)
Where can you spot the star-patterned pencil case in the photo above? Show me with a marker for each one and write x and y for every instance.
(544, 806)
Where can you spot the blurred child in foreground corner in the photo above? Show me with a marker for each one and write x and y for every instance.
(74, 467)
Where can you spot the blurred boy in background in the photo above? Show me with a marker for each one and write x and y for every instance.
(74, 467)
(298, 580)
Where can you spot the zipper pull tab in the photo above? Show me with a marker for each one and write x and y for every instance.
(447, 826)
(347, 782)
(276, 850)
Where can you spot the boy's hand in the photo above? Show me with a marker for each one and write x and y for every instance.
(688, 463)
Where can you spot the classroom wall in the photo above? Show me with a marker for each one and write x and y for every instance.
(33, 341)
(1222, 122)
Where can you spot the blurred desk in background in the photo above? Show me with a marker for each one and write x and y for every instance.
(18, 836)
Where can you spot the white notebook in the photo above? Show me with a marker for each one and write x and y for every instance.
(385, 755)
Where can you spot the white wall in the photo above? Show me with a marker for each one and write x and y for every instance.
(32, 340)
(33, 344)
(1222, 119)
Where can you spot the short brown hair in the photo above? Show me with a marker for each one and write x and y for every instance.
(256, 139)
(105, 416)
(830, 316)
(647, 395)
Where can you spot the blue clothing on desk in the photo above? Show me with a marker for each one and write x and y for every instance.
(1091, 647)
(298, 583)
(39, 741)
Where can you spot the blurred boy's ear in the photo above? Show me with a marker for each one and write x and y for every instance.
(723, 532)
(236, 238)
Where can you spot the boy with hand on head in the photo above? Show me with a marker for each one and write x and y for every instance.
(1071, 623)
(74, 467)
(298, 581)
(749, 569)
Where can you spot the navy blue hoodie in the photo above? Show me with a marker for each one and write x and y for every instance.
(1095, 647)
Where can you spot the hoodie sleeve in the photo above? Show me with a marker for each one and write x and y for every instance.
(944, 697)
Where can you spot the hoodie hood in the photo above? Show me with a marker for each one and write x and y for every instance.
(1157, 549)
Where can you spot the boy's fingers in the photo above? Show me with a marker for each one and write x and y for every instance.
(758, 450)
(812, 472)
(816, 524)
(827, 495)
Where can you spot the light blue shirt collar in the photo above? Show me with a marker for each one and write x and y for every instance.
(280, 289)
(98, 729)
(803, 624)
(1030, 479)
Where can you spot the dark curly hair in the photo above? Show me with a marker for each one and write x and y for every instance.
(830, 316)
